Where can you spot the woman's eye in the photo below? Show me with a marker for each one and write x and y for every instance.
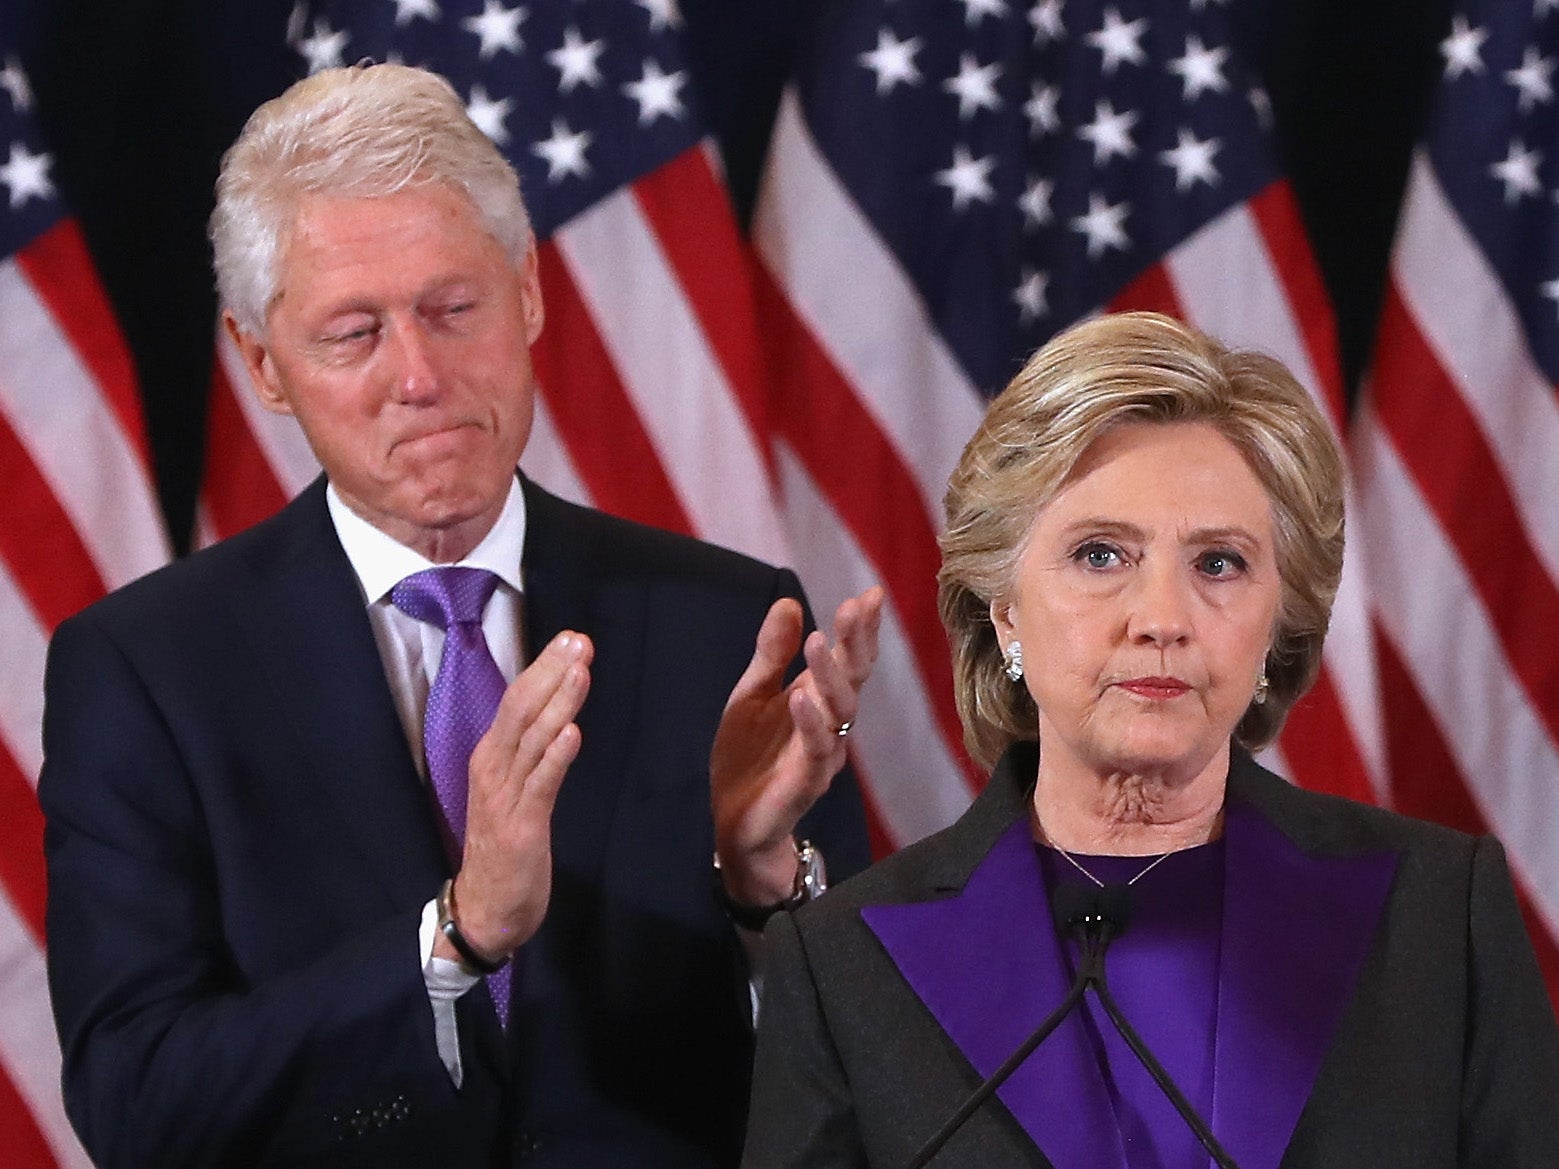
(1097, 556)
(1221, 564)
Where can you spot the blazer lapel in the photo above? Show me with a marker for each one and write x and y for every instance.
(1298, 926)
(989, 968)
(304, 614)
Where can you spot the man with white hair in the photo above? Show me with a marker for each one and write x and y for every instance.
(380, 834)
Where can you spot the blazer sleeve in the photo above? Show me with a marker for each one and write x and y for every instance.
(171, 1055)
(802, 1114)
(1510, 1102)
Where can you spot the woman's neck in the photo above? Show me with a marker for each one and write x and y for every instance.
(1127, 814)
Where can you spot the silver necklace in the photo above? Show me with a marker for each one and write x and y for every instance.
(1072, 860)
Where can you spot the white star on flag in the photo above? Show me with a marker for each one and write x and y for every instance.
(1119, 40)
(1103, 225)
(1109, 132)
(323, 49)
(663, 13)
(1518, 171)
(968, 178)
(657, 93)
(27, 175)
(1192, 160)
(975, 86)
(1029, 296)
(1532, 79)
(1040, 110)
(975, 9)
(14, 81)
(576, 61)
(893, 61)
(1262, 104)
(1201, 69)
(407, 11)
(1550, 289)
(564, 152)
(489, 115)
(498, 27)
(1045, 17)
(1035, 203)
(1462, 49)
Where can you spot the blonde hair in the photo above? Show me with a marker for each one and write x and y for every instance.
(1127, 368)
(364, 132)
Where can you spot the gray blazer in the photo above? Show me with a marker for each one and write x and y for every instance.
(1380, 1005)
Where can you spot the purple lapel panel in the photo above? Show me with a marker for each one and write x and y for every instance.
(988, 966)
(1296, 932)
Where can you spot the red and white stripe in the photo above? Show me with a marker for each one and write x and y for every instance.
(1458, 476)
(79, 517)
(874, 410)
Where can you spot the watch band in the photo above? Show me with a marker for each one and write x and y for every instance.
(470, 961)
(811, 880)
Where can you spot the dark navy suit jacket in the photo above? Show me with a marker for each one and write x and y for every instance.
(239, 848)
(1379, 1004)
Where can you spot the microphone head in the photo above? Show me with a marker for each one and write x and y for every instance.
(1082, 910)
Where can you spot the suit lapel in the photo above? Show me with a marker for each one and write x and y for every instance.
(989, 967)
(1298, 927)
(303, 612)
(568, 585)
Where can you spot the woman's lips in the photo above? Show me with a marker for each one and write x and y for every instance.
(1158, 688)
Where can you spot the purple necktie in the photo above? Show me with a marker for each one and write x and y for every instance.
(462, 701)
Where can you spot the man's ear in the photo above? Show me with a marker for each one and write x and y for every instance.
(256, 355)
(530, 295)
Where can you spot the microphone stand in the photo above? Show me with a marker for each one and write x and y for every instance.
(1094, 919)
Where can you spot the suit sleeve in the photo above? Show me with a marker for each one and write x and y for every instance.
(171, 1055)
(802, 1114)
(1510, 1101)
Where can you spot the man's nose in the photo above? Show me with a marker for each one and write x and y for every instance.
(415, 366)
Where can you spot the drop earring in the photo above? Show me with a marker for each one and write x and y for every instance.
(1262, 686)
(1013, 657)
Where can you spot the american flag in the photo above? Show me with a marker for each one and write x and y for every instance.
(78, 516)
(950, 183)
(652, 397)
(1457, 449)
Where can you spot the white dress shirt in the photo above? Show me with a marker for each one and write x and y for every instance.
(411, 651)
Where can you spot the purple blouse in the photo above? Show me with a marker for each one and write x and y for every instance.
(1163, 973)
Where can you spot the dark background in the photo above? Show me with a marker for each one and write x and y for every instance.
(138, 99)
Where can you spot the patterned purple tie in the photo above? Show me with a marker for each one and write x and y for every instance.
(462, 701)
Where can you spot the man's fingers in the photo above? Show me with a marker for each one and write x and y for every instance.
(856, 627)
(550, 722)
(838, 671)
(546, 778)
(529, 693)
(778, 639)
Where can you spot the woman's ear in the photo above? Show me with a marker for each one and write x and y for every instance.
(1001, 619)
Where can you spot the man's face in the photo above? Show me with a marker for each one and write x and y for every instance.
(400, 339)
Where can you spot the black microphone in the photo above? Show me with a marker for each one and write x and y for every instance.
(1094, 916)
(1102, 916)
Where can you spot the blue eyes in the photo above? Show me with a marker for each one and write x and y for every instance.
(1220, 564)
(1096, 555)
(1216, 564)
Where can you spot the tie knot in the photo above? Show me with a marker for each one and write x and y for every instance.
(445, 596)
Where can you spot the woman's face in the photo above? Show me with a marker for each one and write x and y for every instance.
(1145, 601)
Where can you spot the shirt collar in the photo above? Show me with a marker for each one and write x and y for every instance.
(381, 562)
